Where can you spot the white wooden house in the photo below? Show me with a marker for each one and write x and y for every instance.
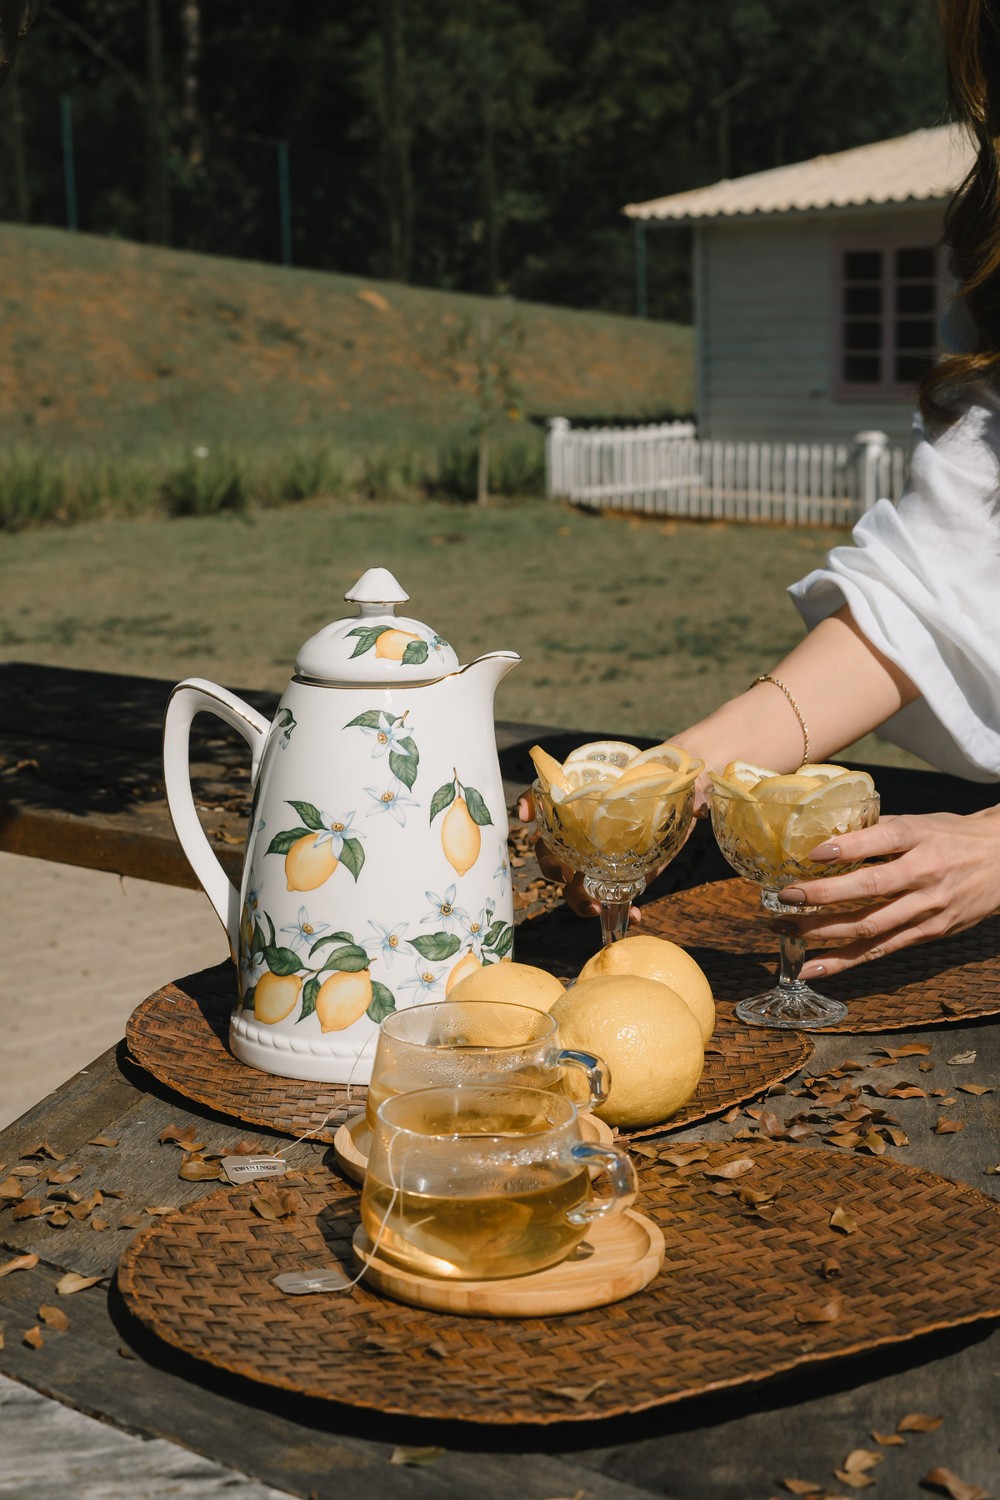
(818, 288)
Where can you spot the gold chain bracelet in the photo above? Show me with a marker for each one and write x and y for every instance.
(796, 710)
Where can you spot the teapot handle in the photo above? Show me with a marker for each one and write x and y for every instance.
(196, 695)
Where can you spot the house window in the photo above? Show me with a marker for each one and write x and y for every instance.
(888, 317)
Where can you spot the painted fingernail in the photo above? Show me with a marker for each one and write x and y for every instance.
(825, 851)
(812, 971)
(793, 896)
(522, 809)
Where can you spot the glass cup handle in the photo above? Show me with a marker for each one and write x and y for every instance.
(621, 1171)
(598, 1074)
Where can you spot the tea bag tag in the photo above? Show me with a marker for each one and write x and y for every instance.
(298, 1283)
(249, 1168)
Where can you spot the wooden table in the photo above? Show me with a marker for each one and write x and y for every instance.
(733, 1446)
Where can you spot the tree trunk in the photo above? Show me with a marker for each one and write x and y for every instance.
(194, 145)
(12, 126)
(397, 168)
(157, 185)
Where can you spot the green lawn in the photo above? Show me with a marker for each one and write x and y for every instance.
(631, 626)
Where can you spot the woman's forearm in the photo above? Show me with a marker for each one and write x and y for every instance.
(843, 688)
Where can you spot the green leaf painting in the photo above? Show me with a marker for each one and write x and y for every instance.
(309, 992)
(382, 1003)
(310, 815)
(282, 842)
(436, 946)
(415, 654)
(370, 719)
(351, 959)
(404, 762)
(333, 937)
(442, 798)
(478, 811)
(499, 941)
(282, 960)
(366, 636)
(352, 856)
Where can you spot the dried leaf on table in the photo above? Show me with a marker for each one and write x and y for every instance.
(385, 1343)
(975, 1088)
(962, 1060)
(576, 1393)
(918, 1421)
(830, 1268)
(28, 1208)
(682, 1158)
(274, 1203)
(10, 1191)
(19, 1263)
(925, 1067)
(100, 1224)
(58, 1176)
(889, 1439)
(86, 1206)
(846, 1142)
(104, 1140)
(731, 1115)
(43, 1149)
(897, 1136)
(245, 1148)
(59, 1219)
(416, 1457)
(856, 1478)
(33, 1338)
(1, 1339)
(173, 1135)
(130, 1221)
(53, 1317)
(951, 1484)
(732, 1169)
(912, 1049)
(74, 1282)
(905, 1091)
(948, 1127)
(162, 1208)
(872, 1142)
(820, 1312)
(801, 1486)
(194, 1168)
(770, 1125)
(861, 1459)
(842, 1220)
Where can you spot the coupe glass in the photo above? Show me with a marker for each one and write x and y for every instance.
(614, 838)
(766, 840)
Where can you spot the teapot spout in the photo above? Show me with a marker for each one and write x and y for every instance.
(491, 669)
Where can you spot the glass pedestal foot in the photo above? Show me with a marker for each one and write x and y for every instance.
(795, 1007)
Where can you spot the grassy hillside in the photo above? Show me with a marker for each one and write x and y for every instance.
(113, 349)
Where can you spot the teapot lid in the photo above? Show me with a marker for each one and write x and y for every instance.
(376, 645)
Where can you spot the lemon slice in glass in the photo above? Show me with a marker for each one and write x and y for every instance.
(821, 813)
(671, 757)
(548, 769)
(613, 752)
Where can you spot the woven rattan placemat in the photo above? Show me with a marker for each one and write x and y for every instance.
(742, 1296)
(722, 926)
(179, 1034)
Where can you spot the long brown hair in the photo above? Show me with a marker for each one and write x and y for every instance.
(971, 31)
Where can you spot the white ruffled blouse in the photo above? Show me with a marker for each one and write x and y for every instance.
(922, 581)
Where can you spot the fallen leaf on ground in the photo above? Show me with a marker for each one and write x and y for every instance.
(575, 1392)
(801, 1486)
(196, 1169)
(33, 1338)
(19, 1263)
(28, 1208)
(162, 1208)
(958, 1489)
(103, 1140)
(948, 1127)
(732, 1168)
(10, 1191)
(842, 1220)
(173, 1135)
(43, 1149)
(416, 1457)
(830, 1268)
(74, 1282)
(57, 1176)
(53, 1317)
(975, 1088)
(274, 1203)
(918, 1421)
(889, 1439)
(961, 1060)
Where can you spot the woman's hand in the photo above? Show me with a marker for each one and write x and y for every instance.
(941, 875)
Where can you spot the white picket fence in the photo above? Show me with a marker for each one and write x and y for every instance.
(667, 470)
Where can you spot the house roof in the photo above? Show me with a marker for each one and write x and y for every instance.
(923, 167)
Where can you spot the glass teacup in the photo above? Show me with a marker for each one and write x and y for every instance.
(484, 1182)
(452, 1043)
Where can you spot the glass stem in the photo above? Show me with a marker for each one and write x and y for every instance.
(791, 957)
(614, 921)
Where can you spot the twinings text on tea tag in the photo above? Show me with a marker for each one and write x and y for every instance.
(299, 1282)
(249, 1168)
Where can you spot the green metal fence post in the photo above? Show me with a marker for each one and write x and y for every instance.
(69, 168)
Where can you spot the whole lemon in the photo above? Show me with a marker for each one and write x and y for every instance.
(647, 1036)
(466, 966)
(510, 983)
(343, 999)
(392, 643)
(308, 864)
(656, 958)
(275, 997)
(461, 838)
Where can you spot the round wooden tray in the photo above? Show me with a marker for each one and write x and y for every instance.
(742, 1295)
(180, 1035)
(618, 1258)
(722, 926)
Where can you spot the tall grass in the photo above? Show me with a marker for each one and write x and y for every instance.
(38, 488)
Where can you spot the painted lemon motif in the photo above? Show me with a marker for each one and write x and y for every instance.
(308, 864)
(275, 997)
(461, 837)
(392, 643)
(343, 999)
(467, 964)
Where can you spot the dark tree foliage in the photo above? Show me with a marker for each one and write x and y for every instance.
(478, 145)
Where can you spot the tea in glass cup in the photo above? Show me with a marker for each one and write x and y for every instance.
(451, 1042)
(482, 1182)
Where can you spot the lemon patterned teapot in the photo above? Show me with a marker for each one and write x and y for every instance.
(376, 872)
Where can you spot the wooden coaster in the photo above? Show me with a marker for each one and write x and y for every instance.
(742, 1296)
(723, 928)
(180, 1035)
(618, 1258)
(353, 1141)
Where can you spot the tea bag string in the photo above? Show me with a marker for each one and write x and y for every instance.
(385, 1219)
